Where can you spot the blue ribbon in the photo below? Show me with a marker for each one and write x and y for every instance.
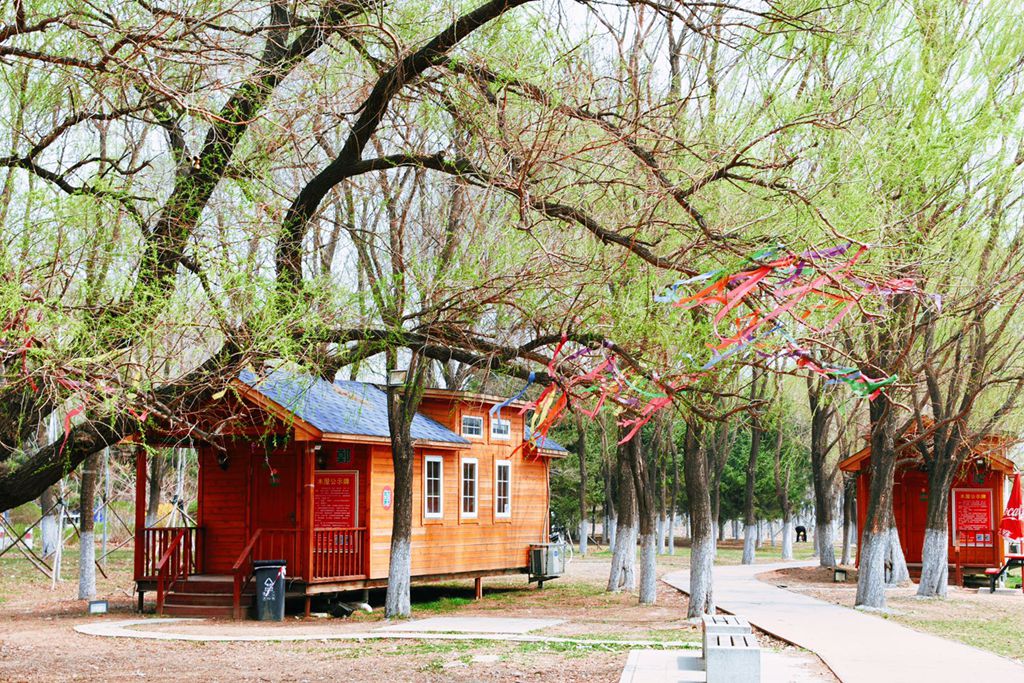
(507, 402)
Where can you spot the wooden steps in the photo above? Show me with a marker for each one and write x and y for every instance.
(205, 596)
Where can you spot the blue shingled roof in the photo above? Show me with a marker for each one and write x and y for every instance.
(343, 407)
(544, 442)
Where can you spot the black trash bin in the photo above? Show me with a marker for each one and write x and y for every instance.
(269, 589)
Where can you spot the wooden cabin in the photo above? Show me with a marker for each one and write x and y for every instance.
(976, 501)
(297, 468)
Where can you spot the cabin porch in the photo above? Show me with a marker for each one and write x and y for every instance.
(302, 502)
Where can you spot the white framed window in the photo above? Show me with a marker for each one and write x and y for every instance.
(501, 429)
(503, 488)
(473, 426)
(433, 487)
(469, 487)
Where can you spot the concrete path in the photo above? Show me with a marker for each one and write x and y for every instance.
(687, 666)
(855, 645)
(471, 625)
(137, 628)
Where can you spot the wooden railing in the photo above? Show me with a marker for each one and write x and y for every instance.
(265, 544)
(155, 543)
(242, 571)
(964, 552)
(338, 553)
(176, 562)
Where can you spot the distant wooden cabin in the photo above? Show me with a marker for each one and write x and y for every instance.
(297, 468)
(976, 501)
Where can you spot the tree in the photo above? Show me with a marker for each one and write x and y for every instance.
(86, 536)
(702, 537)
(749, 503)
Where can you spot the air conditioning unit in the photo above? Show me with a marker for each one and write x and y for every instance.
(547, 561)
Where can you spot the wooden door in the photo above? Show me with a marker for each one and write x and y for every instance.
(275, 511)
(915, 508)
(223, 503)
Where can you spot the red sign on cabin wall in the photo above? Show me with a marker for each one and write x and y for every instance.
(336, 499)
(972, 517)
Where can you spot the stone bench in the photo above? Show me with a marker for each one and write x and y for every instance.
(732, 657)
(723, 624)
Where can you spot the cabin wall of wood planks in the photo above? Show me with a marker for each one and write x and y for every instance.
(456, 543)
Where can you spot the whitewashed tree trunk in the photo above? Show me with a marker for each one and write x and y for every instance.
(787, 540)
(583, 538)
(702, 563)
(397, 602)
(613, 527)
(622, 575)
(672, 533)
(934, 564)
(899, 574)
(749, 543)
(87, 539)
(48, 525)
(871, 572)
(849, 533)
(826, 544)
(649, 570)
(660, 536)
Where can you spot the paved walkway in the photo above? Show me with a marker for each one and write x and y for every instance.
(220, 632)
(856, 646)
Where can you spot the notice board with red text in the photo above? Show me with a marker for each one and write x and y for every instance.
(336, 499)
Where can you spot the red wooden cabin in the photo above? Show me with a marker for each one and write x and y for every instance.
(975, 505)
(297, 468)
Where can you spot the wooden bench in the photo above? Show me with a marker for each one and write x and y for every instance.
(993, 573)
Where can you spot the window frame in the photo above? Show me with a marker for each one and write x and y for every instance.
(507, 514)
(462, 488)
(469, 435)
(507, 436)
(440, 491)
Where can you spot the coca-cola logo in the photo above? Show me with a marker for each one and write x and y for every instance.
(1015, 513)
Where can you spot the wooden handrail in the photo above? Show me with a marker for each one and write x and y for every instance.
(246, 551)
(161, 567)
(236, 569)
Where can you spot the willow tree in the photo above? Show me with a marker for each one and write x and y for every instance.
(934, 99)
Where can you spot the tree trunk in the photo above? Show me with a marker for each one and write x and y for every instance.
(787, 537)
(824, 535)
(824, 473)
(87, 540)
(849, 518)
(702, 544)
(402, 405)
(48, 525)
(675, 496)
(935, 551)
(662, 495)
(647, 510)
(581, 454)
(156, 476)
(896, 560)
(875, 534)
(749, 511)
(622, 575)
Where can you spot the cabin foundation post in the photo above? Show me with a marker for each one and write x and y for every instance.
(478, 585)
(309, 601)
(365, 596)
(142, 595)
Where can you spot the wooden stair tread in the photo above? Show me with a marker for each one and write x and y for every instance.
(216, 611)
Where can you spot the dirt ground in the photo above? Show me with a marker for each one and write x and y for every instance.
(38, 643)
(990, 622)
